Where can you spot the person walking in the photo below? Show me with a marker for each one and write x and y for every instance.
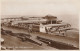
(46, 30)
(30, 28)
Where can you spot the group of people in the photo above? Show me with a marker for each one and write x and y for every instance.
(51, 29)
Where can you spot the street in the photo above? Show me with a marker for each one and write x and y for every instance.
(16, 43)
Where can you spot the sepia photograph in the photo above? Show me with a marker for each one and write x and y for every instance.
(39, 25)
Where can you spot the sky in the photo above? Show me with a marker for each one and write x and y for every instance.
(65, 10)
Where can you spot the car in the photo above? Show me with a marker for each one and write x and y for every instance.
(5, 32)
(8, 31)
(3, 48)
(2, 31)
(2, 41)
(23, 35)
(6, 48)
(47, 41)
(22, 38)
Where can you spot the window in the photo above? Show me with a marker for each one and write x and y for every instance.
(53, 22)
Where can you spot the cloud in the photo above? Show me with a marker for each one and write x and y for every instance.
(27, 7)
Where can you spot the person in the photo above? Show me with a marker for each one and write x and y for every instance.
(46, 30)
(2, 29)
(50, 29)
(29, 28)
(10, 23)
(59, 31)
